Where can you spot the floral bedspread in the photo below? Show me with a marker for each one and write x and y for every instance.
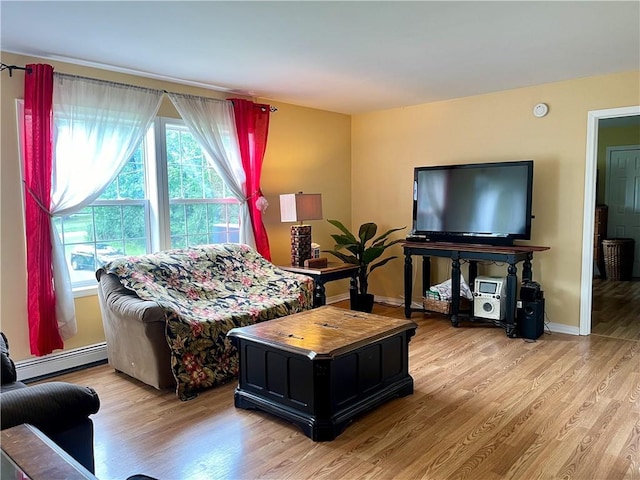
(206, 291)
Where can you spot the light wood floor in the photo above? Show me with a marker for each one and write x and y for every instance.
(484, 407)
(616, 309)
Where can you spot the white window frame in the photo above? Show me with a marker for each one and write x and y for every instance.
(157, 202)
(164, 202)
(157, 190)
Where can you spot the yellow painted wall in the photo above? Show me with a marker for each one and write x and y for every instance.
(307, 150)
(309, 153)
(387, 145)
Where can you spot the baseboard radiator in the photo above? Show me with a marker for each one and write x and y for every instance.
(57, 363)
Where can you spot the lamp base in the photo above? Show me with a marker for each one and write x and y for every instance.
(300, 244)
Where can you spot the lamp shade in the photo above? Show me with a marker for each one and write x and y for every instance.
(298, 207)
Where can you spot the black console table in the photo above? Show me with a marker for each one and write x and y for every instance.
(473, 253)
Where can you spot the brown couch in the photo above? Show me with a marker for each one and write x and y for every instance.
(135, 333)
(166, 314)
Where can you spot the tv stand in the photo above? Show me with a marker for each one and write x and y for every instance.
(473, 253)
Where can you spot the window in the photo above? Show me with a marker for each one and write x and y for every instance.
(114, 225)
(167, 196)
(201, 209)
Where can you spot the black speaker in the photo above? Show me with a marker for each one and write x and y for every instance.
(531, 319)
(530, 291)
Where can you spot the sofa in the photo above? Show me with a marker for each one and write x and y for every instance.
(166, 315)
(60, 410)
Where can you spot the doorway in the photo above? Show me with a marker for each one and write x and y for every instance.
(622, 190)
(593, 123)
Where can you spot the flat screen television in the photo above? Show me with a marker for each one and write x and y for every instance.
(484, 203)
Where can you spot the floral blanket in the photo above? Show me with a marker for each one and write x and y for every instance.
(206, 291)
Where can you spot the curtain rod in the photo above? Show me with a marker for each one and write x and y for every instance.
(262, 106)
(11, 68)
(259, 105)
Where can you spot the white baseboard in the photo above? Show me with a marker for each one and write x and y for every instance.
(59, 362)
(554, 327)
(562, 328)
(337, 298)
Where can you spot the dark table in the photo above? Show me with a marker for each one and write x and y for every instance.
(511, 255)
(321, 368)
(322, 275)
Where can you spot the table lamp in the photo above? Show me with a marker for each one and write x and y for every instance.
(299, 207)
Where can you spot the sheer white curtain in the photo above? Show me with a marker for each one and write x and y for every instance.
(97, 127)
(213, 125)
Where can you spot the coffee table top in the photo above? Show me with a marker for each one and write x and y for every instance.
(323, 332)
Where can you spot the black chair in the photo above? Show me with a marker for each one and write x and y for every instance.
(60, 410)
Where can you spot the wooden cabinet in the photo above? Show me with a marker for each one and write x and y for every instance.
(321, 368)
(599, 234)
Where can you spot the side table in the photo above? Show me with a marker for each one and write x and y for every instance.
(333, 271)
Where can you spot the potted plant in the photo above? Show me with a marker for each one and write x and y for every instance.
(362, 250)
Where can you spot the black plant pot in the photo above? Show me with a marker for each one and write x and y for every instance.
(362, 302)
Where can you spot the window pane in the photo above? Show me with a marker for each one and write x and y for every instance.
(191, 153)
(81, 261)
(191, 177)
(108, 223)
(91, 256)
(196, 219)
(134, 221)
(178, 242)
(217, 214)
(177, 223)
(192, 182)
(120, 231)
(130, 182)
(111, 192)
(197, 239)
(234, 213)
(135, 246)
(172, 139)
(175, 181)
(131, 178)
(215, 185)
(115, 225)
(77, 227)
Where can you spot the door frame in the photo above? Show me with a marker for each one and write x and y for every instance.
(591, 166)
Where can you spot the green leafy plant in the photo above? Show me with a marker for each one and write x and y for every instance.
(362, 250)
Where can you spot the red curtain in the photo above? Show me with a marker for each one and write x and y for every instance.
(37, 148)
(252, 125)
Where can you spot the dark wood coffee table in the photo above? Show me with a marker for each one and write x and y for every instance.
(320, 368)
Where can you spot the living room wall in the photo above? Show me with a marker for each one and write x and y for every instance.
(308, 150)
(387, 145)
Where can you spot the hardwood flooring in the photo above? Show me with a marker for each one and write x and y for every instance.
(616, 309)
(484, 407)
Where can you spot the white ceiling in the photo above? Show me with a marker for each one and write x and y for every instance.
(348, 57)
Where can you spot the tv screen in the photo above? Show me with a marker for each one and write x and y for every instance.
(488, 203)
